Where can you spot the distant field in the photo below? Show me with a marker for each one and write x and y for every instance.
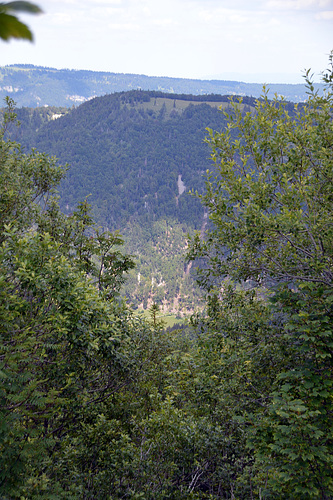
(176, 105)
(169, 319)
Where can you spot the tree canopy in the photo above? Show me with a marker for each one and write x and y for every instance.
(269, 203)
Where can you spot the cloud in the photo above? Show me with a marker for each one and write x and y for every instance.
(220, 15)
(125, 27)
(325, 15)
(186, 37)
(164, 22)
(86, 3)
(107, 2)
(62, 19)
(298, 4)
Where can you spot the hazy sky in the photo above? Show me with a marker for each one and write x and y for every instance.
(250, 40)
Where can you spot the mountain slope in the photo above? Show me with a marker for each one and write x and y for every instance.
(137, 155)
(129, 151)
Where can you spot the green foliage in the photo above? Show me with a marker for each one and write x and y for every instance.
(62, 345)
(96, 402)
(25, 179)
(125, 157)
(153, 312)
(295, 437)
(227, 383)
(160, 275)
(88, 389)
(130, 162)
(55, 330)
(271, 199)
(10, 26)
(270, 206)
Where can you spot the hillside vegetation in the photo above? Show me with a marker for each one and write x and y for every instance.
(127, 151)
(136, 155)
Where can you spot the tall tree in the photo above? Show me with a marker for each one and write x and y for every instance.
(62, 340)
(270, 205)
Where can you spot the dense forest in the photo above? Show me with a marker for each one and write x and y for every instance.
(127, 150)
(99, 403)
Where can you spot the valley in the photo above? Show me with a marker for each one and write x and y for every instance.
(177, 392)
(137, 156)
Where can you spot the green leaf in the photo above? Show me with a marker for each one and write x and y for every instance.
(11, 27)
(21, 6)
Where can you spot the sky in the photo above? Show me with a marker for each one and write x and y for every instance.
(263, 41)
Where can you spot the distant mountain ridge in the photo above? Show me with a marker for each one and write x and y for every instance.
(35, 86)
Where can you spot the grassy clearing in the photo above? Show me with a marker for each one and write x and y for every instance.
(175, 105)
(169, 319)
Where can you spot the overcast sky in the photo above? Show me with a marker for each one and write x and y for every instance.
(250, 40)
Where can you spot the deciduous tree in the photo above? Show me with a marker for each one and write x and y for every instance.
(269, 200)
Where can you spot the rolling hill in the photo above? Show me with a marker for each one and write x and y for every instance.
(35, 86)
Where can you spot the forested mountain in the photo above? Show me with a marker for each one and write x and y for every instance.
(136, 155)
(130, 151)
(39, 86)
